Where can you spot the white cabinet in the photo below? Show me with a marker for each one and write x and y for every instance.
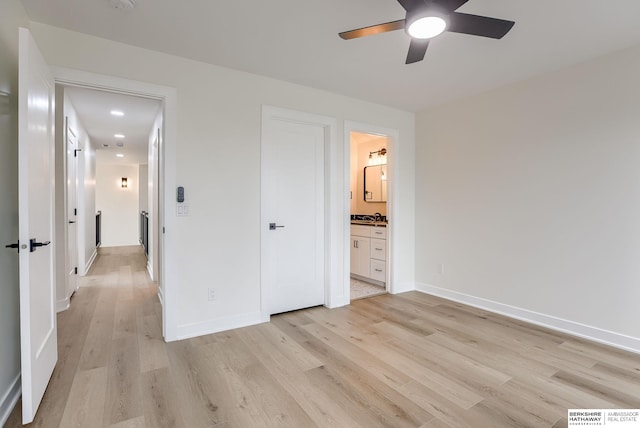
(360, 258)
(378, 270)
(378, 249)
(369, 252)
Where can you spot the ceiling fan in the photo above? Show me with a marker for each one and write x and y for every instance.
(426, 19)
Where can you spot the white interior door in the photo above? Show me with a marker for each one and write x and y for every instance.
(38, 332)
(293, 215)
(72, 212)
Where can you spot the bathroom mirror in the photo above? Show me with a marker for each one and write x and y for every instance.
(375, 183)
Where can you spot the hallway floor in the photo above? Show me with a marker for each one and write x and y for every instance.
(109, 346)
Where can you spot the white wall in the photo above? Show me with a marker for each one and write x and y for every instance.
(530, 197)
(12, 15)
(143, 194)
(85, 194)
(87, 208)
(119, 206)
(218, 163)
(152, 191)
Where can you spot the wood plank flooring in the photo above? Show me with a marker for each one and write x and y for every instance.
(408, 360)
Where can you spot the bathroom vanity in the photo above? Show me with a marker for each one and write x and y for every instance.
(369, 252)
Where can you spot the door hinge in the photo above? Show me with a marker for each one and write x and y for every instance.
(75, 270)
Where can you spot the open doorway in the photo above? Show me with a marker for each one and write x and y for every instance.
(110, 171)
(369, 174)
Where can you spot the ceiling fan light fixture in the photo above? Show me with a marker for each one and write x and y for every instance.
(426, 27)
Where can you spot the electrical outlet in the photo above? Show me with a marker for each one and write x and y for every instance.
(211, 294)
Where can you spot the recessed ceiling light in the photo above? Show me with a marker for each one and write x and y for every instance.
(117, 113)
(119, 155)
(119, 136)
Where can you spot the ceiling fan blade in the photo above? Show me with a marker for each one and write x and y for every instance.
(479, 25)
(453, 4)
(373, 29)
(410, 4)
(417, 49)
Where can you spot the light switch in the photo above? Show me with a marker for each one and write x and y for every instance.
(182, 210)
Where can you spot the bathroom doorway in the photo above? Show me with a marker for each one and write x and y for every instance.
(368, 193)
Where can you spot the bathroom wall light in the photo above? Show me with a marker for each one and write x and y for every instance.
(380, 157)
(124, 182)
(117, 113)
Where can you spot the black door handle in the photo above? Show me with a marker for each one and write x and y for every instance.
(71, 221)
(33, 244)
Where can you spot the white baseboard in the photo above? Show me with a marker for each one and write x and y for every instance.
(187, 331)
(149, 270)
(337, 303)
(160, 297)
(9, 399)
(402, 287)
(63, 305)
(90, 261)
(596, 334)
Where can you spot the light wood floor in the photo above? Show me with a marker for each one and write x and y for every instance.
(407, 360)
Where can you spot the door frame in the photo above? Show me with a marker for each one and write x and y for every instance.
(333, 286)
(167, 278)
(393, 205)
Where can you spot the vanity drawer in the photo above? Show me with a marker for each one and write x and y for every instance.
(379, 232)
(378, 249)
(378, 270)
(357, 230)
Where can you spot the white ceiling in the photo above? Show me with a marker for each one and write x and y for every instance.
(297, 41)
(94, 109)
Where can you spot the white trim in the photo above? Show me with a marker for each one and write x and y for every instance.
(9, 399)
(160, 298)
(403, 287)
(187, 331)
(169, 271)
(63, 305)
(149, 269)
(333, 208)
(596, 334)
(393, 204)
(90, 262)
